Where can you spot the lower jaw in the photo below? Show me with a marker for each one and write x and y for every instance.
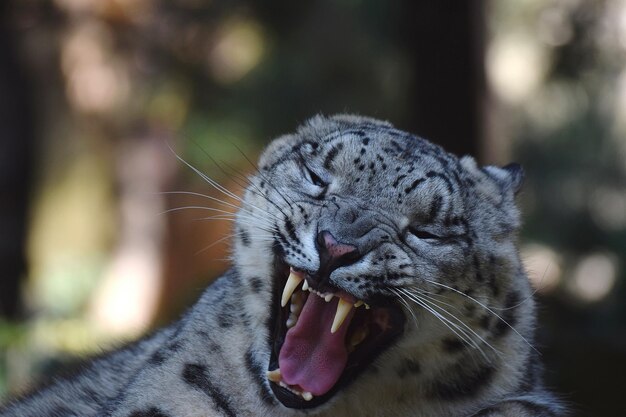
(291, 400)
(359, 360)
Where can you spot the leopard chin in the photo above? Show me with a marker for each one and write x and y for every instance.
(323, 338)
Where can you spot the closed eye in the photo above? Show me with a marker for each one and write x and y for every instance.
(313, 178)
(423, 234)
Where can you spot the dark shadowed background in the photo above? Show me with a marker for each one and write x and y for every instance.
(97, 248)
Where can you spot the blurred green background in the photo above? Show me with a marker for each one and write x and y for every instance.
(93, 93)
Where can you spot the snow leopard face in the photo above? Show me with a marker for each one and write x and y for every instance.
(364, 245)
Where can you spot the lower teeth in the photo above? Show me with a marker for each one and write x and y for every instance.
(304, 394)
(276, 377)
(292, 320)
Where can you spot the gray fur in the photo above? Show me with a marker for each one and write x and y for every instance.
(382, 185)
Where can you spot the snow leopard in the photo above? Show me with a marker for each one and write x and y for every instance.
(373, 274)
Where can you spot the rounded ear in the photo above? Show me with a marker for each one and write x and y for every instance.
(510, 177)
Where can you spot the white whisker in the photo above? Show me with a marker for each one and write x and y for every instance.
(486, 308)
(450, 325)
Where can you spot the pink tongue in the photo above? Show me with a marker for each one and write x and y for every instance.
(313, 357)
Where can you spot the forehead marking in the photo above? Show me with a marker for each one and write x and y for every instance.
(332, 154)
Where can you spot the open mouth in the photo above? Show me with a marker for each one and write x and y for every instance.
(322, 340)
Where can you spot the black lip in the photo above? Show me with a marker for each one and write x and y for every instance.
(358, 361)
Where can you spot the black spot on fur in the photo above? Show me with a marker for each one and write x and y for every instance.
(332, 154)
(198, 377)
(150, 412)
(256, 284)
(464, 381)
(453, 345)
(413, 185)
(485, 321)
(157, 358)
(244, 318)
(291, 230)
(443, 177)
(398, 148)
(397, 180)
(256, 370)
(175, 346)
(225, 318)
(245, 237)
(161, 355)
(435, 207)
(409, 367)
(509, 314)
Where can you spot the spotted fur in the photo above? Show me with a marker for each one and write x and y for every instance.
(436, 234)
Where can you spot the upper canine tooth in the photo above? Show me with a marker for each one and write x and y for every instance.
(358, 304)
(305, 285)
(290, 286)
(343, 308)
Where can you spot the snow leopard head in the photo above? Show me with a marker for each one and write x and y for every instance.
(365, 246)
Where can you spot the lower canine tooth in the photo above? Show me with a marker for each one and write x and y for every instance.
(305, 285)
(296, 305)
(343, 308)
(328, 297)
(274, 376)
(307, 396)
(290, 286)
(292, 320)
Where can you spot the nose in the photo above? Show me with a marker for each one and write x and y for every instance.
(328, 246)
(333, 254)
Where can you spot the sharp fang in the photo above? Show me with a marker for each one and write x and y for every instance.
(328, 297)
(290, 286)
(307, 396)
(305, 285)
(343, 308)
(358, 304)
(274, 376)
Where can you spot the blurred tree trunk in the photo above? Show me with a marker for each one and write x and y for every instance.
(446, 40)
(16, 137)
